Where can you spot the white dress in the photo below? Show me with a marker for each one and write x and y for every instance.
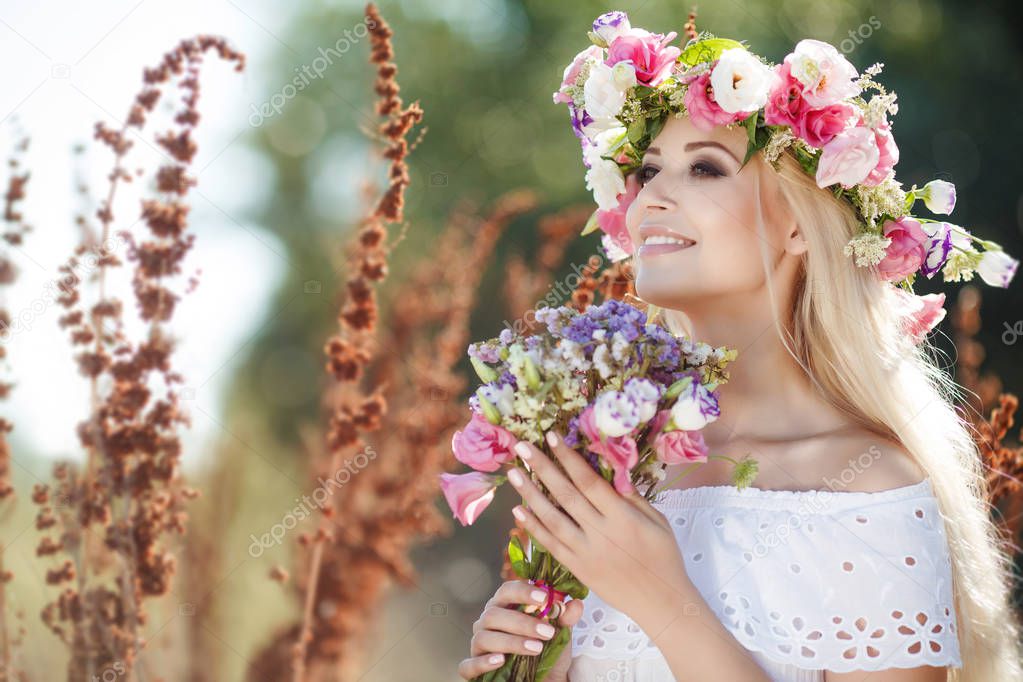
(806, 581)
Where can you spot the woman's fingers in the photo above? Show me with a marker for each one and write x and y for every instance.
(477, 665)
(534, 524)
(496, 642)
(515, 592)
(572, 613)
(558, 522)
(597, 491)
(571, 499)
(514, 622)
(502, 629)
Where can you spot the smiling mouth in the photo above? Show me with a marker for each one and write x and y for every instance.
(659, 244)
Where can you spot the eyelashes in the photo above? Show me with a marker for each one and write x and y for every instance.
(699, 169)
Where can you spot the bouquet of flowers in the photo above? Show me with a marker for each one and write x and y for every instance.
(627, 393)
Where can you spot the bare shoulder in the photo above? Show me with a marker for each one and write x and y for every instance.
(864, 461)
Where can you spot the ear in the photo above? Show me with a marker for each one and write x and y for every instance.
(795, 244)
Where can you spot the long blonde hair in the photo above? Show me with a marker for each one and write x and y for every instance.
(844, 329)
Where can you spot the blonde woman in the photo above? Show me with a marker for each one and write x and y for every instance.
(865, 545)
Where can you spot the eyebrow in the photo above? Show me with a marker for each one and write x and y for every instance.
(698, 145)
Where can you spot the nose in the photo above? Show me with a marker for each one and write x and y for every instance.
(657, 196)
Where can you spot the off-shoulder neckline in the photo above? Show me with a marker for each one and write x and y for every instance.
(751, 496)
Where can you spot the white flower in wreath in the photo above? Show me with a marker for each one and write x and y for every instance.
(826, 75)
(606, 88)
(604, 178)
(741, 82)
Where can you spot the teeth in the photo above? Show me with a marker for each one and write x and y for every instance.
(658, 239)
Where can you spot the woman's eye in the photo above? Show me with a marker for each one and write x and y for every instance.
(697, 168)
(703, 168)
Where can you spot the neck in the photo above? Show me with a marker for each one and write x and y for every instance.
(768, 394)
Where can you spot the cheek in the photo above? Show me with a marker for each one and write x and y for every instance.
(730, 236)
(633, 215)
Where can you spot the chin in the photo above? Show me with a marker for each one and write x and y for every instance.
(664, 292)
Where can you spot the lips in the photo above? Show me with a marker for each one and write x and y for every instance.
(646, 231)
(662, 231)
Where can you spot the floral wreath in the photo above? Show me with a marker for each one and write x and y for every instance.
(621, 89)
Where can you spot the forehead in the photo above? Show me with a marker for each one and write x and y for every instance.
(679, 131)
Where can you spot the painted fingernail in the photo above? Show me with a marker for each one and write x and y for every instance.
(534, 645)
(515, 476)
(552, 439)
(539, 596)
(495, 659)
(544, 630)
(518, 513)
(523, 450)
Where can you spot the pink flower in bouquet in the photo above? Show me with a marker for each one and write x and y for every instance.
(468, 494)
(849, 157)
(921, 314)
(649, 53)
(612, 222)
(675, 447)
(817, 127)
(619, 452)
(703, 109)
(482, 445)
(889, 155)
(907, 251)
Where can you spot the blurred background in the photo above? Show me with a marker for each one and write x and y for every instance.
(285, 164)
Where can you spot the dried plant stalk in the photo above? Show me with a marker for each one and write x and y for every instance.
(1004, 463)
(348, 352)
(14, 230)
(109, 520)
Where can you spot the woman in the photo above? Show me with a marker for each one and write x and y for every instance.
(866, 544)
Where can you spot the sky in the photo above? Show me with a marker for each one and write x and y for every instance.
(68, 65)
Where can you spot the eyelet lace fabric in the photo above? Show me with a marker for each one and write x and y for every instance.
(807, 580)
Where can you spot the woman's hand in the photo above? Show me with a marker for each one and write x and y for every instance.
(501, 629)
(617, 545)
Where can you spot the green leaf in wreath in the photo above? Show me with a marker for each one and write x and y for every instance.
(637, 129)
(591, 225)
(654, 125)
(707, 50)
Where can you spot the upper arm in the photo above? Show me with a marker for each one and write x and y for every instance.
(927, 673)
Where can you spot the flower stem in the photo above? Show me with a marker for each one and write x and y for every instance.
(689, 469)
